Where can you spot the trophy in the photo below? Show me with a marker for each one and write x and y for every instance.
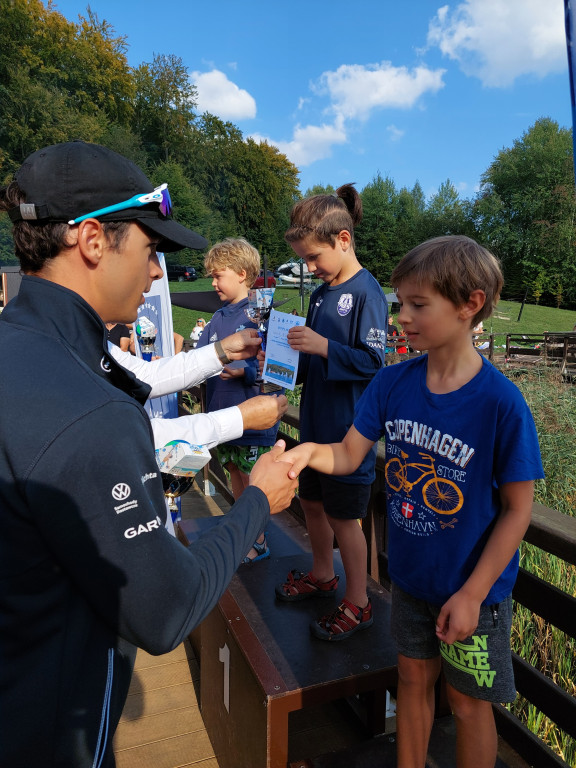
(258, 311)
(146, 333)
(174, 486)
(178, 462)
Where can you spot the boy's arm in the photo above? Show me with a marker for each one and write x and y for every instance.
(348, 363)
(330, 459)
(458, 617)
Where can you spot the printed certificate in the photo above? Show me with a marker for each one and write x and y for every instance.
(281, 361)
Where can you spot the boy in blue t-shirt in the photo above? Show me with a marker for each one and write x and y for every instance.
(462, 456)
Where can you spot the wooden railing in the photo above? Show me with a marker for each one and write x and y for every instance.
(550, 531)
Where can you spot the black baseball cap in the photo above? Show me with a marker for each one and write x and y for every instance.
(68, 180)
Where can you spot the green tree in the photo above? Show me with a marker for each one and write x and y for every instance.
(33, 116)
(375, 236)
(58, 80)
(525, 211)
(410, 213)
(250, 185)
(445, 213)
(97, 71)
(7, 255)
(164, 107)
(319, 189)
(189, 207)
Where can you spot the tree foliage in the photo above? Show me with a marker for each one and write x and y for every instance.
(164, 107)
(61, 80)
(525, 212)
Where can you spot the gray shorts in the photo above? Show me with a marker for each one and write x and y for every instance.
(479, 667)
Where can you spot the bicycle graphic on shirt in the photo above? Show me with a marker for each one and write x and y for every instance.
(440, 495)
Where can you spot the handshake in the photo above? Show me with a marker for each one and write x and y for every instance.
(274, 473)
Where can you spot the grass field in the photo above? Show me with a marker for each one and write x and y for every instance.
(534, 320)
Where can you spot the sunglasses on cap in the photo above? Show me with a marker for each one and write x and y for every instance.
(160, 195)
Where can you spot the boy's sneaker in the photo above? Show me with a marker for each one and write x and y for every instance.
(339, 625)
(300, 586)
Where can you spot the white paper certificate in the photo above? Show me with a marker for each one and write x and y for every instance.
(281, 361)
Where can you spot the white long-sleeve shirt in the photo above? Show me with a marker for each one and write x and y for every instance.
(171, 374)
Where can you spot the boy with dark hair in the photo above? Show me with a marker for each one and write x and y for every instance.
(88, 570)
(462, 457)
(342, 346)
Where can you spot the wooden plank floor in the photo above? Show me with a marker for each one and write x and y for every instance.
(161, 726)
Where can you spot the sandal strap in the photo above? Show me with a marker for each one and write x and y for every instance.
(305, 582)
(260, 548)
(262, 552)
(340, 622)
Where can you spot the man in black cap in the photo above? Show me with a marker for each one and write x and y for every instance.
(88, 571)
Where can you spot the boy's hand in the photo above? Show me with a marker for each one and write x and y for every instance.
(242, 344)
(299, 457)
(263, 411)
(232, 373)
(458, 618)
(270, 474)
(304, 339)
(261, 356)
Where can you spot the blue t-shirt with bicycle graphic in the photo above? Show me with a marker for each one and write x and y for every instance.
(446, 457)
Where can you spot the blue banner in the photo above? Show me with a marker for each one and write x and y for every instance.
(570, 38)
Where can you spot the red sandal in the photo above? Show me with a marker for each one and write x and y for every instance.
(340, 626)
(300, 586)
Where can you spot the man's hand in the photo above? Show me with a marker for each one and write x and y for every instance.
(242, 344)
(304, 339)
(263, 411)
(270, 474)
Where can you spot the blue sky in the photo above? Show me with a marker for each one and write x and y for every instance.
(415, 90)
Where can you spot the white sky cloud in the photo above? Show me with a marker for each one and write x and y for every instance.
(499, 40)
(222, 97)
(395, 133)
(309, 143)
(356, 90)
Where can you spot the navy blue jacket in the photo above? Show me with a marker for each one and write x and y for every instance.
(87, 569)
(353, 316)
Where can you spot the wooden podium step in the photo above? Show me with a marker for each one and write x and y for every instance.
(259, 663)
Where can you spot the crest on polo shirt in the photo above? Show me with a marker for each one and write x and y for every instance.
(345, 303)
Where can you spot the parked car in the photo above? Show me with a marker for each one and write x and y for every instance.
(180, 273)
(259, 282)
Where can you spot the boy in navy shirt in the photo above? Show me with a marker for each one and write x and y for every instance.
(234, 265)
(462, 457)
(343, 346)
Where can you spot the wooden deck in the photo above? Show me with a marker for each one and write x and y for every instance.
(161, 726)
